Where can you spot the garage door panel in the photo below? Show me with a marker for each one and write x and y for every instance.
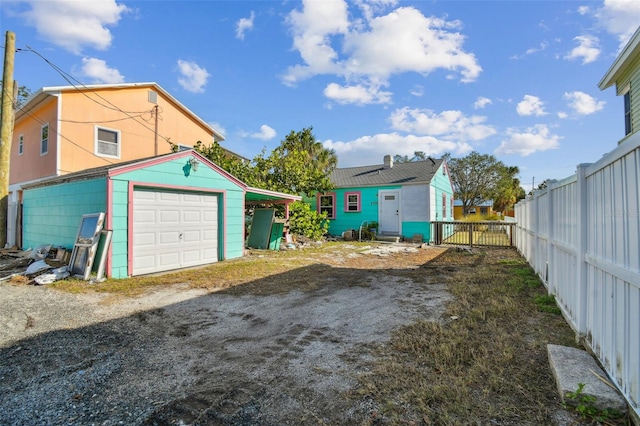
(192, 198)
(209, 235)
(192, 236)
(146, 239)
(173, 230)
(192, 216)
(145, 195)
(169, 216)
(148, 216)
(169, 196)
(172, 237)
(169, 259)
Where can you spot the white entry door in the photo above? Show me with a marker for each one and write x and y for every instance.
(389, 212)
(173, 230)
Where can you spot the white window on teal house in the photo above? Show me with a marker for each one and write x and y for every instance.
(44, 139)
(107, 142)
(20, 144)
(444, 206)
(352, 202)
(327, 204)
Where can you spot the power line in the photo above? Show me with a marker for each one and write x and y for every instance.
(83, 89)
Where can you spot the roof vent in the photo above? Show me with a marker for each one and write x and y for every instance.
(153, 97)
(388, 161)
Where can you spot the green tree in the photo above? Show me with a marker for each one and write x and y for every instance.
(22, 95)
(508, 190)
(417, 156)
(475, 178)
(299, 165)
(307, 222)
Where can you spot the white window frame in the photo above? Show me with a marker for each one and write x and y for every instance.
(42, 139)
(21, 144)
(118, 143)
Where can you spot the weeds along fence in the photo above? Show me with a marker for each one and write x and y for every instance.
(581, 235)
(488, 233)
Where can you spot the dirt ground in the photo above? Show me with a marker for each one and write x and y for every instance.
(285, 349)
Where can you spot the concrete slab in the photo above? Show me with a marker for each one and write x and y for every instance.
(572, 366)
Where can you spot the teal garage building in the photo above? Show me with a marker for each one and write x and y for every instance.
(167, 212)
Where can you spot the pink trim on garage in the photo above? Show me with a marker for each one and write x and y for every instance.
(132, 185)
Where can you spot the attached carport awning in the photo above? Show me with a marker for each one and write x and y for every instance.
(263, 196)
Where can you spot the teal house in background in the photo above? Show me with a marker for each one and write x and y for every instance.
(402, 198)
(167, 212)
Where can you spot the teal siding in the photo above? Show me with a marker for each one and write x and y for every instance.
(416, 205)
(171, 174)
(52, 214)
(352, 220)
(409, 229)
(120, 227)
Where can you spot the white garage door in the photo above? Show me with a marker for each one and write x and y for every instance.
(173, 230)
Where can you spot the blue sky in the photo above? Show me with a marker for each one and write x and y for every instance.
(516, 79)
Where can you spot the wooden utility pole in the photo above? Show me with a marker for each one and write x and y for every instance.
(6, 131)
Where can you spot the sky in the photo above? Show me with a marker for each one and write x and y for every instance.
(514, 79)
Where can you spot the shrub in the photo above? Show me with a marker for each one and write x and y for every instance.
(307, 222)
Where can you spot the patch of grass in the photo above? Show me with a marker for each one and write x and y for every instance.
(257, 265)
(585, 406)
(547, 303)
(485, 363)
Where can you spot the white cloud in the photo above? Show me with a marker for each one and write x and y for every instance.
(243, 25)
(75, 25)
(312, 28)
(358, 94)
(582, 103)
(369, 53)
(218, 127)
(620, 18)
(417, 91)
(524, 143)
(99, 71)
(407, 41)
(481, 102)
(368, 150)
(583, 10)
(448, 125)
(265, 133)
(531, 105)
(193, 77)
(588, 49)
(562, 115)
(371, 7)
(543, 45)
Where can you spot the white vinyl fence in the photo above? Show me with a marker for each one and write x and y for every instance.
(581, 235)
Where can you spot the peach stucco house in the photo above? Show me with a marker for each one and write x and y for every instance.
(65, 129)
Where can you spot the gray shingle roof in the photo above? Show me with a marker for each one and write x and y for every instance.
(415, 172)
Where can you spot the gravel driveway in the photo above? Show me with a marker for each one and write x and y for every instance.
(183, 356)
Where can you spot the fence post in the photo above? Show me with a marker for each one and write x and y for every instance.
(581, 250)
(470, 234)
(551, 214)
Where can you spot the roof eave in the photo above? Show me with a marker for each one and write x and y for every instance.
(628, 53)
